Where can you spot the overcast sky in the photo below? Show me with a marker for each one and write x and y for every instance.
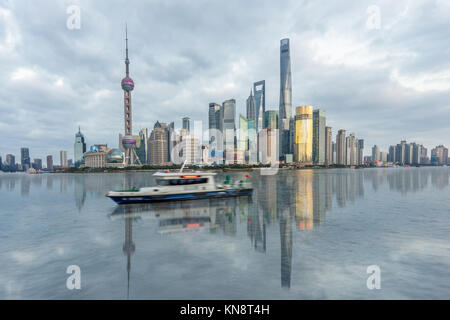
(384, 82)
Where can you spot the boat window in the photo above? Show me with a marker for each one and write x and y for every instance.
(162, 182)
(182, 182)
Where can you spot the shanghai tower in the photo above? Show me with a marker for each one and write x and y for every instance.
(285, 97)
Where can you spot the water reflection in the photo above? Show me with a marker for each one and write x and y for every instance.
(293, 202)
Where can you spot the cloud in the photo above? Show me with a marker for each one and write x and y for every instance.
(186, 54)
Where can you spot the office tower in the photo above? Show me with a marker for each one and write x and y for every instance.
(392, 154)
(341, 147)
(328, 146)
(408, 153)
(79, 148)
(242, 149)
(352, 150)
(253, 155)
(285, 107)
(229, 130)
(360, 152)
(128, 141)
(318, 152)
(11, 161)
(251, 107)
(172, 142)
(142, 145)
(383, 156)
(63, 159)
(25, 158)
(187, 124)
(303, 134)
(158, 145)
(50, 163)
(259, 89)
(268, 146)
(37, 164)
(271, 119)
(400, 152)
(440, 153)
(191, 149)
(375, 153)
(215, 133)
(333, 153)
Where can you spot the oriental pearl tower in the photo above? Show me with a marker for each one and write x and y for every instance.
(128, 141)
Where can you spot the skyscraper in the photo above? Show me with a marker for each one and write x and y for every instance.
(375, 153)
(440, 153)
(328, 146)
(158, 145)
(63, 158)
(285, 107)
(128, 141)
(319, 137)
(242, 148)
(303, 134)
(360, 152)
(142, 145)
(341, 147)
(251, 107)
(25, 160)
(229, 129)
(187, 124)
(259, 89)
(270, 119)
(50, 163)
(79, 148)
(352, 147)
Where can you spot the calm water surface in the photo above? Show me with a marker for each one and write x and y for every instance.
(308, 234)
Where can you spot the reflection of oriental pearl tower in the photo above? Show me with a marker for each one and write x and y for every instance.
(128, 141)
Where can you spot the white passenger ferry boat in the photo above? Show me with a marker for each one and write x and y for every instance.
(183, 186)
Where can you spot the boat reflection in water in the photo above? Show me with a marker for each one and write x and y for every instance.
(181, 216)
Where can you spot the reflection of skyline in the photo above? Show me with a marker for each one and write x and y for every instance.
(299, 201)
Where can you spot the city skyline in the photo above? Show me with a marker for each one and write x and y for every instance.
(381, 114)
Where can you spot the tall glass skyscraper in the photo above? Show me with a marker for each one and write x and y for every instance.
(304, 134)
(229, 129)
(79, 148)
(271, 119)
(285, 96)
(319, 137)
(187, 124)
(25, 158)
(259, 89)
(251, 107)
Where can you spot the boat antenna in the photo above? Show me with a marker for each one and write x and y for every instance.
(182, 167)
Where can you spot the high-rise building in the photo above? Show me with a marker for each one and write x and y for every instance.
(333, 153)
(128, 141)
(270, 119)
(392, 154)
(216, 133)
(400, 152)
(318, 151)
(229, 130)
(252, 143)
(360, 152)
(242, 148)
(25, 160)
(375, 153)
(37, 164)
(440, 153)
(50, 163)
(251, 107)
(328, 146)
(63, 159)
(79, 148)
(158, 145)
(409, 153)
(352, 150)
(268, 146)
(259, 89)
(142, 145)
(341, 151)
(383, 156)
(303, 134)
(187, 124)
(285, 107)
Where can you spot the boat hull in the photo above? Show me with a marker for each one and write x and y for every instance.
(124, 199)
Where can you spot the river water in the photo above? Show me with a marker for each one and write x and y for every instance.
(305, 234)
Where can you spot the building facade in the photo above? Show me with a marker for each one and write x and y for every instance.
(259, 89)
(341, 151)
(79, 148)
(285, 107)
(303, 134)
(318, 152)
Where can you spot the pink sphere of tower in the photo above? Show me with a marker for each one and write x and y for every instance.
(127, 84)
